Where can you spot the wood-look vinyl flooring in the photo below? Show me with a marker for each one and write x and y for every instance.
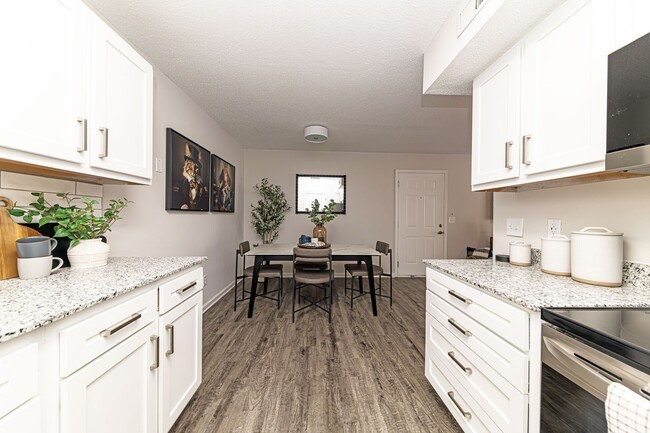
(359, 374)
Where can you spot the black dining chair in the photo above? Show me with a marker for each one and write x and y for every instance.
(267, 271)
(312, 267)
(360, 270)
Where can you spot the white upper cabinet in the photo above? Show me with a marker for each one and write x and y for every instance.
(45, 54)
(564, 88)
(632, 20)
(495, 122)
(561, 113)
(121, 137)
(66, 75)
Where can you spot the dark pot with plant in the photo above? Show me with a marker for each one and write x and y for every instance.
(80, 224)
(320, 217)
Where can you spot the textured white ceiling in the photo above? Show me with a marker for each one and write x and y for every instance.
(266, 69)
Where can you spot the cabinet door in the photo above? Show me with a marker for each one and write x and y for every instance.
(117, 391)
(180, 372)
(26, 419)
(122, 104)
(631, 20)
(495, 123)
(564, 82)
(45, 73)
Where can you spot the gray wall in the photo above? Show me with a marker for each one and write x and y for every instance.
(148, 229)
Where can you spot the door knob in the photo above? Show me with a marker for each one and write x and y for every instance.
(440, 232)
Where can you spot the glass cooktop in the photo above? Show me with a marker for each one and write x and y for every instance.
(624, 333)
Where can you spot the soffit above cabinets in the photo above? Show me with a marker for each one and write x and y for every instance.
(475, 34)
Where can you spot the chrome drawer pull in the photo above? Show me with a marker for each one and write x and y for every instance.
(508, 163)
(452, 355)
(457, 296)
(104, 132)
(123, 324)
(185, 288)
(455, 324)
(156, 341)
(525, 159)
(465, 413)
(84, 135)
(170, 329)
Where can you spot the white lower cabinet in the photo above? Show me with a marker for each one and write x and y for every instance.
(480, 361)
(181, 333)
(117, 391)
(28, 418)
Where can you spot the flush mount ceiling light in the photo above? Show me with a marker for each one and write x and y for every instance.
(316, 134)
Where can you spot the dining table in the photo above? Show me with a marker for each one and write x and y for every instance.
(267, 253)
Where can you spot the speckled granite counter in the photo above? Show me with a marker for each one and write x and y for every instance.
(533, 289)
(29, 304)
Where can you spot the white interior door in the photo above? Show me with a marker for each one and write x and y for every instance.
(45, 53)
(420, 220)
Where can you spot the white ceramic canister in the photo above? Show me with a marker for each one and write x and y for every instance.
(556, 255)
(519, 253)
(597, 256)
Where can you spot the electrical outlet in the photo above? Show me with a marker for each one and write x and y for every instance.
(515, 227)
(452, 220)
(205, 280)
(554, 227)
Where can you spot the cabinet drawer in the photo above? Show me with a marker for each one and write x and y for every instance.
(509, 362)
(507, 321)
(26, 419)
(179, 289)
(18, 378)
(505, 405)
(463, 407)
(86, 340)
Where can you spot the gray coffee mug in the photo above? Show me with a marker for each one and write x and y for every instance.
(35, 246)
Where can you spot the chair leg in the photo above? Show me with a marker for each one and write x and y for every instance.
(329, 311)
(345, 282)
(243, 288)
(293, 303)
(235, 289)
(390, 293)
(280, 292)
(351, 293)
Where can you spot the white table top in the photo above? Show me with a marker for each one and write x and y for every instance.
(337, 250)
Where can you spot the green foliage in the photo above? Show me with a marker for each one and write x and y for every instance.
(268, 215)
(321, 216)
(76, 223)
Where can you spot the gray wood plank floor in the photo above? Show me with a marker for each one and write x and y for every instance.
(359, 374)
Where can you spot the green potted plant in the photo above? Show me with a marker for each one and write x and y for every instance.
(80, 224)
(269, 212)
(320, 217)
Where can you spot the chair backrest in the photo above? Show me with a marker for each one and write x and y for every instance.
(382, 247)
(312, 255)
(244, 247)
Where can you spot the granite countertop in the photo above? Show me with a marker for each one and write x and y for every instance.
(533, 289)
(26, 305)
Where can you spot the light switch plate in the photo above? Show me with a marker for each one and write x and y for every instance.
(159, 167)
(515, 227)
(554, 227)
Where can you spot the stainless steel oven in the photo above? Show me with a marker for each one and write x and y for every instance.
(579, 361)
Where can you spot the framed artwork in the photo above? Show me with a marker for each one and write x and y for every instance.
(188, 174)
(223, 185)
(321, 187)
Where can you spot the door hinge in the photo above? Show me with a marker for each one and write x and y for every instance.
(398, 184)
(398, 263)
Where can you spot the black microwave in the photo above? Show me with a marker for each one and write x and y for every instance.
(628, 107)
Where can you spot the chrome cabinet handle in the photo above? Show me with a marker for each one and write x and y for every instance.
(104, 132)
(452, 355)
(84, 135)
(185, 288)
(508, 163)
(457, 296)
(458, 406)
(455, 324)
(170, 329)
(120, 325)
(525, 159)
(156, 342)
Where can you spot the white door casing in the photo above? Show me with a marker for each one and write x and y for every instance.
(420, 219)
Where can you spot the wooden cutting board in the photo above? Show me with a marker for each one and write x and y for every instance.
(9, 233)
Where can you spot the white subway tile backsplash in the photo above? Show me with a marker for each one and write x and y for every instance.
(27, 182)
(89, 189)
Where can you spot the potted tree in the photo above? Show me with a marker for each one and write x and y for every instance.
(80, 224)
(320, 217)
(269, 212)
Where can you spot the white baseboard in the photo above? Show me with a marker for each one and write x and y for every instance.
(210, 303)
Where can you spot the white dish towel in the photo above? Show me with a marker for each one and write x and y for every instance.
(626, 411)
